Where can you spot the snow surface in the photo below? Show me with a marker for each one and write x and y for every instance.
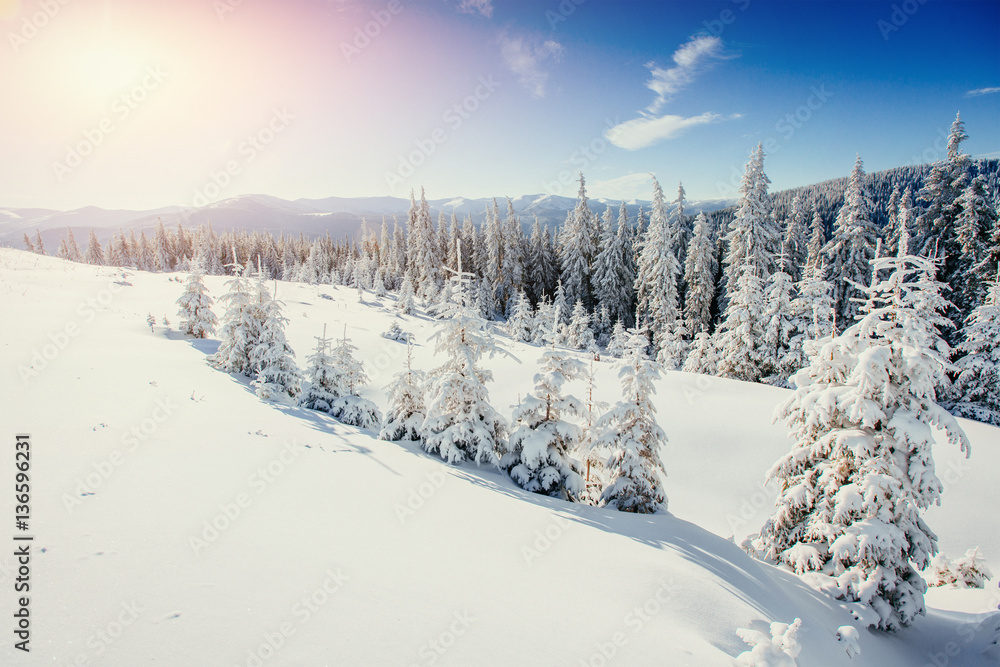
(355, 551)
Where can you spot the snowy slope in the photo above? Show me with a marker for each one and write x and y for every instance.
(340, 549)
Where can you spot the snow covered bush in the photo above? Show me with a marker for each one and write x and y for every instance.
(538, 457)
(460, 423)
(633, 438)
(335, 379)
(779, 650)
(864, 418)
(405, 417)
(278, 378)
(702, 357)
(396, 333)
(969, 571)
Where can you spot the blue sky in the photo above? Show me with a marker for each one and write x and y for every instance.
(139, 104)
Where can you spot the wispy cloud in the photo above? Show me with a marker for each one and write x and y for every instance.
(691, 59)
(982, 91)
(648, 130)
(627, 187)
(525, 58)
(482, 7)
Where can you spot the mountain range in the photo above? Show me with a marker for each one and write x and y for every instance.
(338, 216)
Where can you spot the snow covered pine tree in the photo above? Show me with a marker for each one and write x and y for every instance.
(861, 470)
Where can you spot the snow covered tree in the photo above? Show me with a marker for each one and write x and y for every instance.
(811, 313)
(779, 325)
(579, 335)
(632, 437)
(39, 244)
(240, 328)
(521, 324)
(406, 301)
(323, 381)
(619, 340)
(197, 318)
(278, 378)
(969, 571)
(673, 347)
(349, 378)
(817, 240)
(754, 235)
(28, 245)
(577, 250)
(702, 357)
(658, 273)
(977, 217)
(700, 268)
(461, 424)
(740, 342)
(935, 225)
(796, 246)
(614, 272)
(406, 414)
(852, 246)
(975, 393)
(539, 455)
(861, 471)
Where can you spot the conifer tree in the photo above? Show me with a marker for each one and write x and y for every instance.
(700, 269)
(852, 246)
(578, 250)
(615, 274)
(579, 335)
(619, 340)
(861, 470)
(197, 318)
(272, 358)
(240, 328)
(461, 424)
(796, 246)
(702, 357)
(658, 273)
(539, 456)
(349, 378)
(521, 324)
(322, 386)
(779, 325)
(633, 438)
(975, 393)
(406, 414)
(754, 236)
(28, 245)
(817, 240)
(977, 216)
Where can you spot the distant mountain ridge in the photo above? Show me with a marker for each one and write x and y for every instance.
(338, 216)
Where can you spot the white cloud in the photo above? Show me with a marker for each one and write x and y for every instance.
(525, 58)
(982, 91)
(690, 59)
(648, 130)
(483, 7)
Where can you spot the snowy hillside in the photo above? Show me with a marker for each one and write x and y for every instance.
(179, 520)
